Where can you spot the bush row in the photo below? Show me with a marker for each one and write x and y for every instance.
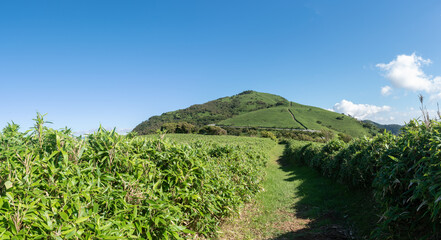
(403, 172)
(107, 186)
(184, 127)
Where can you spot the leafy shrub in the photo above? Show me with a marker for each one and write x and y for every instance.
(327, 134)
(282, 103)
(268, 134)
(403, 172)
(299, 135)
(180, 127)
(246, 92)
(345, 137)
(407, 185)
(54, 185)
(212, 130)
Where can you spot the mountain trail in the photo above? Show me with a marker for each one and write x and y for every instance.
(293, 117)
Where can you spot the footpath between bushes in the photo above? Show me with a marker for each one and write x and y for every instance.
(298, 203)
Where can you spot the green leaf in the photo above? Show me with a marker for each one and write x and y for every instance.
(135, 212)
(64, 216)
(65, 157)
(81, 219)
(68, 231)
(10, 196)
(148, 235)
(156, 185)
(138, 227)
(8, 184)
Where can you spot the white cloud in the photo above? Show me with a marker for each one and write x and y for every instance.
(359, 111)
(406, 72)
(386, 90)
(435, 92)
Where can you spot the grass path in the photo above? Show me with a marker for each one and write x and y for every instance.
(298, 203)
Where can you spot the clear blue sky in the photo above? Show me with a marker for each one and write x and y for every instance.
(119, 62)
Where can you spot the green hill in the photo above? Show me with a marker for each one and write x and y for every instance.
(256, 109)
(393, 128)
(214, 111)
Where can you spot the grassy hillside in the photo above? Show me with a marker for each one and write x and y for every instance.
(213, 111)
(311, 117)
(271, 117)
(393, 128)
(256, 109)
(318, 118)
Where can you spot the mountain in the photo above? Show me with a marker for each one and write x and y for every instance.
(214, 111)
(393, 128)
(257, 109)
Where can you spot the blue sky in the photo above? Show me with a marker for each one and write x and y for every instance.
(117, 63)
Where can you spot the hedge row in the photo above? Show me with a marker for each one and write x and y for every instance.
(403, 172)
(107, 186)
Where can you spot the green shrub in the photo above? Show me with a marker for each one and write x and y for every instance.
(408, 183)
(345, 137)
(212, 130)
(327, 134)
(268, 134)
(179, 127)
(282, 103)
(403, 172)
(107, 186)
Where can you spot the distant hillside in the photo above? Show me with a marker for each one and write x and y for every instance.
(275, 117)
(301, 116)
(318, 118)
(393, 128)
(214, 111)
(256, 109)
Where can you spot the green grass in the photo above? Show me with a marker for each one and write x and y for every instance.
(317, 118)
(328, 203)
(263, 143)
(271, 117)
(298, 202)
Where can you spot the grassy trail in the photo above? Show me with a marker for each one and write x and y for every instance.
(298, 203)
